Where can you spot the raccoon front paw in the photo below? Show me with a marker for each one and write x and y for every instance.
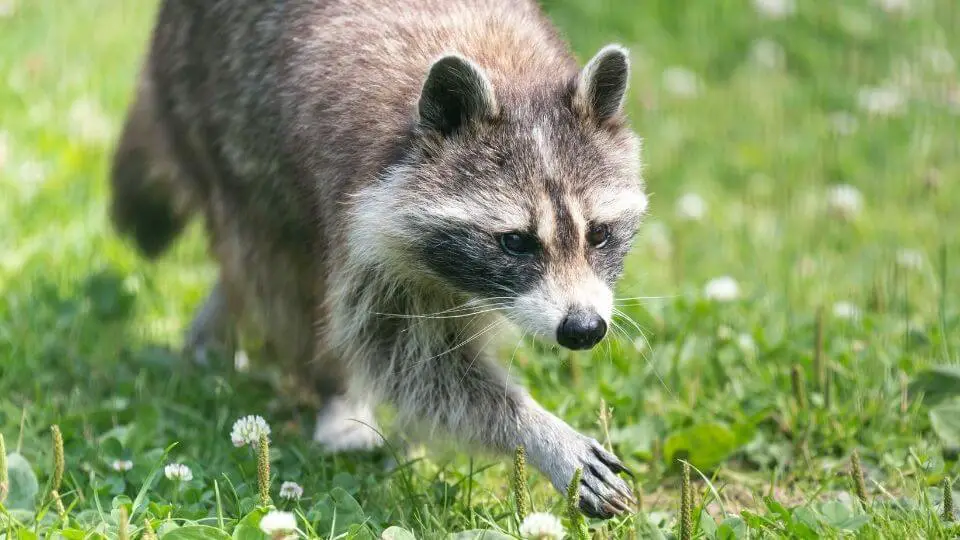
(603, 494)
(344, 426)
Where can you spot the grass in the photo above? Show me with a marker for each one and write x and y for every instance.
(844, 338)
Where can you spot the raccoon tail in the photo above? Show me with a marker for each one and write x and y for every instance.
(149, 198)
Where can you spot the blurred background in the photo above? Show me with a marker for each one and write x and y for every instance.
(796, 282)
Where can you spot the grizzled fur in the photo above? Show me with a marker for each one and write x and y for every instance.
(357, 164)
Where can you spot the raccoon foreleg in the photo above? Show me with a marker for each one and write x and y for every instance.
(474, 401)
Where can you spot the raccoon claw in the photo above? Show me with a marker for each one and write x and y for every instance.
(603, 494)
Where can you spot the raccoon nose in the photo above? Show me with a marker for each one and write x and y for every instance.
(581, 330)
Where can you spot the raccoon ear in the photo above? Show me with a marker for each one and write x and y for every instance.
(455, 92)
(601, 85)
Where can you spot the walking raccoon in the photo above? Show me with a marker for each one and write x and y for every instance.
(384, 182)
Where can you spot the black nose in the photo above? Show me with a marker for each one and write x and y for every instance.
(581, 330)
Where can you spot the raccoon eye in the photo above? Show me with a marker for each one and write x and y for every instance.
(518, 243)
(598, 234)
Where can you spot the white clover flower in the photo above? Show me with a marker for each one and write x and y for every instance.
(844, 201)
(681, 82)
(881, 101)
(247, 430)
(691, 207)
(767, 54)
(178, 472)
(843, 123)
(121, 465)
(541, 526)
(722, 289)
(846, 310)
(278, 524)
(775, 9)
(291, 491)
(910, 259)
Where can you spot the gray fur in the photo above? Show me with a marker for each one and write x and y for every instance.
(356, 191)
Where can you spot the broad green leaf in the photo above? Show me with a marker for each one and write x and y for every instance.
(196, 532)
(837, 515)
(249, 526)
(480, 534)
(23, 483)
(244, 531)
(703, 445)
(397, 533)
(936, 384)
(337, 511)
(732, 528)
(945, 419)
(707, 525)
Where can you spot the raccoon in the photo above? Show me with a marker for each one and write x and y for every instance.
(386, 184)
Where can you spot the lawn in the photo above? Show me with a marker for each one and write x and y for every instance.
(792, 300)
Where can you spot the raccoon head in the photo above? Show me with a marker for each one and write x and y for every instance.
(527, 196)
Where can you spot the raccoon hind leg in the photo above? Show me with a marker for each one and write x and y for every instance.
(150, 202)
(213, 331)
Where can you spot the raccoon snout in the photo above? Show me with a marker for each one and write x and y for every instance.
(581, 330)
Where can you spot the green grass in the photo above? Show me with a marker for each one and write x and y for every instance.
(766, 412)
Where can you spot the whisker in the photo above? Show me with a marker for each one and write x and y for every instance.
(480, 310)
(647, 346)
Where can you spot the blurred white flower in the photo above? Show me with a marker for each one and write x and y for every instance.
(681, 82)
(121, 465)
(910, 259)
(241, 362)
(291, 491)
(845, 310)
(658, 238)
(775, 9)
(844, 201)
(894, 6)
(843, 123)
(767, 54)
(31, 173)
(691, 207)
(746, 344)
(278, 524)
(640, 344)
(88, 123)
(248, 429)
(722, 289)
(806, 266)
(178, 472)
(940, 60)
(858, 346)
(4, 148)
(541, 526)
(881, 101)
(7, 7)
